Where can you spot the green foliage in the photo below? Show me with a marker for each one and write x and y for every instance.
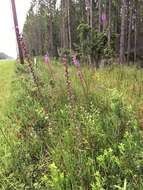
(94, 144)
(94, 43)
(84, 36)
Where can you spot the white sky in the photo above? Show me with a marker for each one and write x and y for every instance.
(7, 34)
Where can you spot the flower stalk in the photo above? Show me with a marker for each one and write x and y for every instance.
(30, 64)
(68, 81)
(79, 72)
(47, 62)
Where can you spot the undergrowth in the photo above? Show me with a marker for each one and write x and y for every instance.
(94, 144)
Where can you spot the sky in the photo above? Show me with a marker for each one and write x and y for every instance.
(7, 33)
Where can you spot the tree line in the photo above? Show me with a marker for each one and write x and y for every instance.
(94, 29)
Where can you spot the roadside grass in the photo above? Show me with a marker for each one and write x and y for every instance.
(95, 143)
(7, 74)
(7, 69)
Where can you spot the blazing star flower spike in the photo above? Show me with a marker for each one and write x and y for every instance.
(103, 17)
(65, 60)
(75, 61)
(68, 81)
(46, 58)
(79, 72)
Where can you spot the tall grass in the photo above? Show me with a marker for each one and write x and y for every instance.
(101, 148)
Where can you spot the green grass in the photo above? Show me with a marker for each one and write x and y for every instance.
(7, 71)
(93, 143)
(7, 74)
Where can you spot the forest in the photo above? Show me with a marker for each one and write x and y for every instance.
(71, 104)
(95, 29)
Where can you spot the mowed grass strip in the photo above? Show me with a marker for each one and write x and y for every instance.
(6, 73)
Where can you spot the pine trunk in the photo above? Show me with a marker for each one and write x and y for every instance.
(122, 34)
(51, 30)
(135, 31)
(69, 24)
(100, 15)
(129, 33)
(109, 24)
(91, 14)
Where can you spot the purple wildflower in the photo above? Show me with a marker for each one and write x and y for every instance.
(46, 58)
(30, 64)
(68, 81)
(75, 61)
(79, 72)
(47, 61)
(77, 64)
(103, 17)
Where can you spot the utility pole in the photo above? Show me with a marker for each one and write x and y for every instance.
(17, 31)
